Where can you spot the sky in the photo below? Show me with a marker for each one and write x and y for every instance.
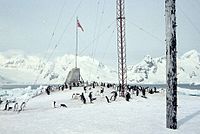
(28, 26)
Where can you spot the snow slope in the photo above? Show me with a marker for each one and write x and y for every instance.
(22, 69)
(139, 116)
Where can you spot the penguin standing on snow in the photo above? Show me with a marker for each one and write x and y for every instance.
(90, 97)
(6, 106)
(127, 96)
(54, 104)
(83, 98)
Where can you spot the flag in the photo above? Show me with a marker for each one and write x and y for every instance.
(79, 25)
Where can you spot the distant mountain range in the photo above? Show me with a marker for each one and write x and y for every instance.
(24, 69)
(153, 70)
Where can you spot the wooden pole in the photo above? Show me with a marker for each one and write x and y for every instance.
(171, 65)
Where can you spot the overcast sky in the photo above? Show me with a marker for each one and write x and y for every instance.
(28, 25)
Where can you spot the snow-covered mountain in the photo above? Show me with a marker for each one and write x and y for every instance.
(153, 70)
(23, 69)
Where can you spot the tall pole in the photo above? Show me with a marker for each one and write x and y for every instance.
(171, 65)
(76, 54)
(121, 45)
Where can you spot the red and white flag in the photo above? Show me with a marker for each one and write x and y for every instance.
(79, 25)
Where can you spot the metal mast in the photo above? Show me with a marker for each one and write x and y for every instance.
(121, 45)
(171, 64)
(76, 53)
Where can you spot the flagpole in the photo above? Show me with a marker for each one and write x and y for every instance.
(76, 43)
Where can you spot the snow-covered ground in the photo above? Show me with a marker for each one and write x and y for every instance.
(139, 116)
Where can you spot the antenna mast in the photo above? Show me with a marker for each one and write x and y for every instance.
(121, 46)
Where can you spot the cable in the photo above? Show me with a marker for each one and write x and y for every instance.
(61, 34)
(190, 21)
(50, 41)
(99, 27)
(58, 42)
(109, 43)
(102, 33)
(107, 48)
(69, 22)
(145, 31)
(97, 37)
(58, 20)
(95, 28)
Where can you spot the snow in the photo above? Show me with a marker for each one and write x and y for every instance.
(21, 94)
(153, 70)
(19, 68)
(26, 69)
(194, 92)
(120, 117)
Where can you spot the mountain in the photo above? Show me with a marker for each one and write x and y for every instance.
(19, 68)
(22, 69)
(153, 70)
